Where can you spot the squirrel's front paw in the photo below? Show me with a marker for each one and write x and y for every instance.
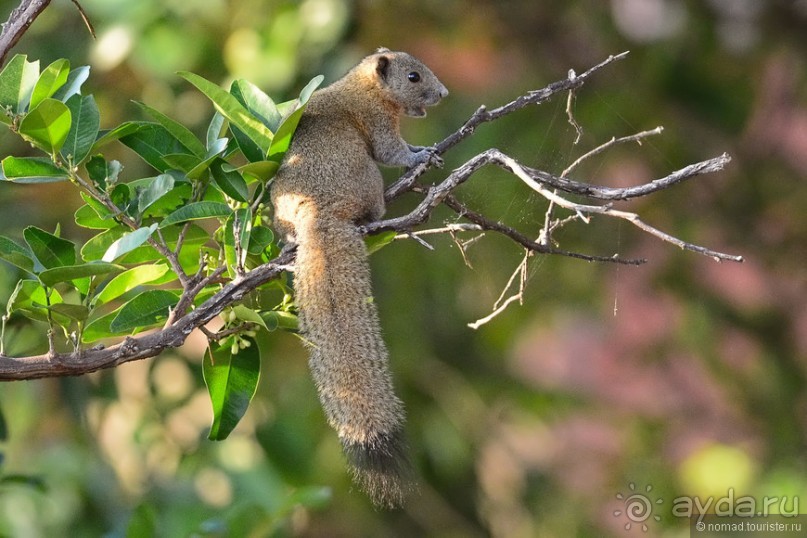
(427, 155)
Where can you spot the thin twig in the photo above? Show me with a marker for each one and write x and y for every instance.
(607, 210)
(638, 137)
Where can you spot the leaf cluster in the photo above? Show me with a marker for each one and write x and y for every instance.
(162, 243)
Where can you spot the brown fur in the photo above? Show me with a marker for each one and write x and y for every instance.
(328, 183)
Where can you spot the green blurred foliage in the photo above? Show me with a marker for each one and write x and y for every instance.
(683, 374)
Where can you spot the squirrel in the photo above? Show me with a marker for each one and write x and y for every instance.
(328, 184)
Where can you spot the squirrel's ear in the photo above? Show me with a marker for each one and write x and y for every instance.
(382, 66)
(380, 50)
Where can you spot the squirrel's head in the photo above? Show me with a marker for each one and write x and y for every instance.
(411, 83)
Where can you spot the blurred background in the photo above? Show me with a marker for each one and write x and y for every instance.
(679, 379)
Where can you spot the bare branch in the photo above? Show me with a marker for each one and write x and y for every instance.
(147, 345)
(17, 24)
(483, 115)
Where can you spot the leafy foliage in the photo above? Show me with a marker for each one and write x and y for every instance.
(126, 278)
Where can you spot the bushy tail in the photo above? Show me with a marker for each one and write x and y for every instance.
(348, 357)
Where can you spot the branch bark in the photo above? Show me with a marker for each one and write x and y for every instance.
(19, 20)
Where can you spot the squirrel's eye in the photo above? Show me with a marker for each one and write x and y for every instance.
(414, 76)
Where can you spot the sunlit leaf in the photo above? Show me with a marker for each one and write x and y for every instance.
(157, 188)
(257, 102)
(283, 135)
(234, 111)
(231, 381)
(128, 242)
(245, 313)
(129, 280)
(145, 310)
(52, 78)
(29, 299)
(31, 170)
(17, 81)
(378, 241)
(261, 170)
(47, 125)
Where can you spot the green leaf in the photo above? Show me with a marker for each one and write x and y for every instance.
(260, 239)
(49, 250)
(143, 522)
(75, 312)
(128, 242)
(247, 314)
(218, 148)
(378, 241)
(29, 298)
(195, 211)
(283, 135)
(47, 125)
(279, 319)
(96, 247)
(229, 180)
(129, 280)
(75, 79)
(124, 129)
(31, 170)
(16, 255)
(145, 310)
(152, 141)
(257, 102)
(66, 273)
(214, 129)
(90, 216)
(262, 107)
(52, 78)
(177, 130)
(157, 188)
(101, 172)
(260, 170)
(83, 129)
(181, 161)
(17, 81)
(99, 328)
(231, 381)
(234, 111)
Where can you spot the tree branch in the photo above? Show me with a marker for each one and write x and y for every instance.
(19, 20)
(147, 345)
